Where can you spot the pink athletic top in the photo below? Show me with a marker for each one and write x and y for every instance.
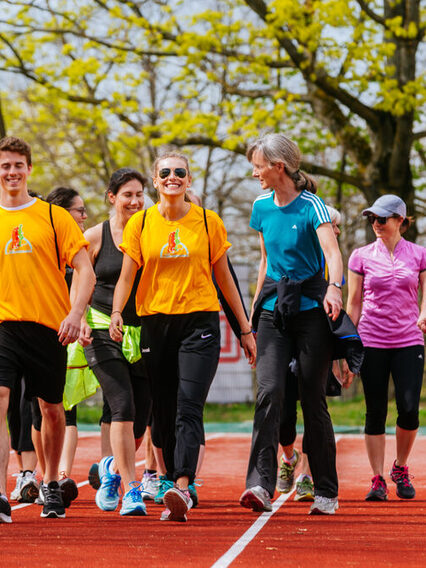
(390, 293)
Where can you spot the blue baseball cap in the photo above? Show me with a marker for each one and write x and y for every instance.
(386, 206)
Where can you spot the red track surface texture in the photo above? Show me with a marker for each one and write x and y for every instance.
(219, 532)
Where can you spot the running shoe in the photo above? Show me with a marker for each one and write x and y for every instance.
(257, 499)
(400, 476)
(29, 487)
(285, 480)
(164, 485)
(304, 489)
(69, 490)
(53, 507)
(5, 510)
(107, 496)
(132, 503)
(93, 476)
(150, 485)
(192, 488)
(40, 499)
(324, 505)
(178, 502)
(378, 491)
(16, 493)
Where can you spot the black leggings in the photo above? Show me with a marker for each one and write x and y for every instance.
(126, 390)
(19, 419)
(406, 366)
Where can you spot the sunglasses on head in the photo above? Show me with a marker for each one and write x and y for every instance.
(380, 220)
(165, 172)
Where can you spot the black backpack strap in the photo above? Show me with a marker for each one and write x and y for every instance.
(143, 220)
(208, 236)
(56, 238)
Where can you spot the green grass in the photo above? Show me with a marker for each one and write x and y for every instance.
(343, 413)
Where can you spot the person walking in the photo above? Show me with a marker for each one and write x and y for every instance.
(291, 306)
(384, 281)
(178, 243)
(37, 321)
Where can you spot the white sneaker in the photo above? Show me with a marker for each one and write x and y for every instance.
(150, 486)
(16, 493)
(177, 502)
(29, 488)
(256, 498)
(324, 505)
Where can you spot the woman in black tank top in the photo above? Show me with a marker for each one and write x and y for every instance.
(124, 385)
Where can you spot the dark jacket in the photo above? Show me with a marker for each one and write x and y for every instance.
(347, 343)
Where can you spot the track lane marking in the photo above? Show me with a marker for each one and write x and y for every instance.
(237, 548)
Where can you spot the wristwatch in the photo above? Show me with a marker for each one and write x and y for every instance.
(337, 284)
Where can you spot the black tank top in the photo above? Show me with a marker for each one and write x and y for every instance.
(107, 269)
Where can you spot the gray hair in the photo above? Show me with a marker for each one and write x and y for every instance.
(278, 148)
(334, 215)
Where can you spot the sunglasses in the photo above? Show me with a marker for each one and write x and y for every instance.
(380, 220)
(179, 172)
(81, 210)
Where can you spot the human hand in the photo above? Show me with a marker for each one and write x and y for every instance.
(333, 302)
(116, 327)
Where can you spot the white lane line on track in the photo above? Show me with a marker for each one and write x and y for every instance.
(238, 547)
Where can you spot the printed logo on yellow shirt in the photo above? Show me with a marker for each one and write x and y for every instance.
(18, 244)
(174, 247)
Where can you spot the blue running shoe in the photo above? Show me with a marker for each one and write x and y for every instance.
(164, 485)
(107, 496)
(192, 488)
(132, 503)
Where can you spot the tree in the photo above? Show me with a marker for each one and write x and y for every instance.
(341, 76)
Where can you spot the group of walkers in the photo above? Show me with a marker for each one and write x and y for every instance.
(143, 302)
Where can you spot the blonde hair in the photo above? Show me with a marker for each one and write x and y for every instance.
(278, 148)
(334, 214)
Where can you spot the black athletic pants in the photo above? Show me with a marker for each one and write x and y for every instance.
(180, 353)
(308, 338)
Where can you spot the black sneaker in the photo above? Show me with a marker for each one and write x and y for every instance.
(5, 511)
(400, 476)
(378, 491)
(69, 490)
(53, 505)
(93, 476)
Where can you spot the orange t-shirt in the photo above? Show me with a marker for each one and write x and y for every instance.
(176, 276)
(32, 288)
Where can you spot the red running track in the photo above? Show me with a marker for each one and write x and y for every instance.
(219, 532)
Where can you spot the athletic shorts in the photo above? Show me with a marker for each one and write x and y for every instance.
(32, 351)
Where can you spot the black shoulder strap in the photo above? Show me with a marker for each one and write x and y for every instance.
(56, 238)
(208, 236)
(143, 220)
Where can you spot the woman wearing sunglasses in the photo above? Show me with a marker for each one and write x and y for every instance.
(178, 244)
(384, 278)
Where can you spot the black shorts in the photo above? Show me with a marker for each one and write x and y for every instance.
(33, 351)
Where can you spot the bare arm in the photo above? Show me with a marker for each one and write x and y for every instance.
(229, 290)
(353, 309)
(69, 329)
(354, 305)
(122, 291)
(262, 271)
(333, 298)
(421, 322)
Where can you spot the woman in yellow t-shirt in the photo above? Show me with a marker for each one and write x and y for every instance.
(178, 244)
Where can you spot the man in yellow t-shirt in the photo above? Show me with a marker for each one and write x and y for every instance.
(36, 319)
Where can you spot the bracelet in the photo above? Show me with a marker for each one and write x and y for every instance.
(116, 312)
(246, 333)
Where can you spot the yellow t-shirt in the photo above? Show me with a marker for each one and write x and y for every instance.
(176, 276)
(32, 288)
